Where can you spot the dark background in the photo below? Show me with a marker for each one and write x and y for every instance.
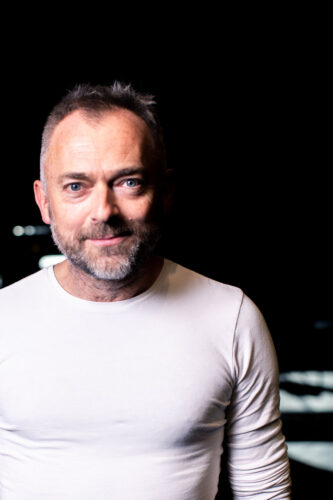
(247, 135)
(244, 105)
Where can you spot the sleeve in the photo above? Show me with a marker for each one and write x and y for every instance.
(257, 455)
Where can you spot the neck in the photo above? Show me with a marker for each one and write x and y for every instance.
(82, 285)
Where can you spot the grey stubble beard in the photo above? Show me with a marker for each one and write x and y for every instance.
(125, 262)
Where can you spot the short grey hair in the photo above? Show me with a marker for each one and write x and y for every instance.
(93, 101)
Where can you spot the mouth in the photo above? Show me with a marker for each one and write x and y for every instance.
(109, 240)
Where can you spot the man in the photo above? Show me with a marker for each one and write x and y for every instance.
(122, 374)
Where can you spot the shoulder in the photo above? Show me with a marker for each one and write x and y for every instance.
(254, 351)
(251, 323)
(187, 279)
(231, 301)
(24, 289)
(202, 292)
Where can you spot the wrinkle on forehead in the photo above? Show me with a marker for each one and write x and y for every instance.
(82, 133)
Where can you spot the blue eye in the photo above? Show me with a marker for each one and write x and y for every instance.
(75, 186)
(131, 183)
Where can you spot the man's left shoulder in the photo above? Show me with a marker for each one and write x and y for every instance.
(204, 289)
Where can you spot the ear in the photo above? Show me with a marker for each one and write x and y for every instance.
(42, 201)
(168, 191)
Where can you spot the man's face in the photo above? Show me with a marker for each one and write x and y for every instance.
(101, 193)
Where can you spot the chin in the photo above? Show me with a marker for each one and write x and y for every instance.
(116, 273)
(117, 263)
(116, 269)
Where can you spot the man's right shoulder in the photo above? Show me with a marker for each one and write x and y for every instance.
(23, 289)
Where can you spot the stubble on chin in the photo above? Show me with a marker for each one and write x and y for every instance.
(119, 262)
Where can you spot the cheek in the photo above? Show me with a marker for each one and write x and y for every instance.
(68, 219)
(138, 209)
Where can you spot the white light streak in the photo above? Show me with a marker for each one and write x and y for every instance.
(50, 260)
(317, 454)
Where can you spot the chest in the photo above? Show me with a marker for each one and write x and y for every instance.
(156, 385)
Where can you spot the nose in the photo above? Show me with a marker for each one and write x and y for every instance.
(104, 204)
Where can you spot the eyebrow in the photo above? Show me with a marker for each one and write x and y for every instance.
(85, 177)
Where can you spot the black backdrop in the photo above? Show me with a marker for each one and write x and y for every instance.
(246, 134)
(244, 102)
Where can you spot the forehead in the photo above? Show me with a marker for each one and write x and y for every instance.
(117, 131)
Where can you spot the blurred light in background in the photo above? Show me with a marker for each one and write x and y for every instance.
(323, 325)
(314, 453)
(50, 260)
(30, 230)
(323, 379)
(297, 400)
(307, 403)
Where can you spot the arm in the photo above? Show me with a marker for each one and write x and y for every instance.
(258, 463)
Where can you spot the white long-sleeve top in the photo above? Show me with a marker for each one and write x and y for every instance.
(135, 400)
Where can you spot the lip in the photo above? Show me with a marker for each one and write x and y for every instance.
(108, 241)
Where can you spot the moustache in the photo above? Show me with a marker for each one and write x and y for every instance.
(107, 231)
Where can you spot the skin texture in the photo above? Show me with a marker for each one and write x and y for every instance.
(104, 201)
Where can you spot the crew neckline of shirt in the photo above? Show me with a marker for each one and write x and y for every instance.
(116, 305)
